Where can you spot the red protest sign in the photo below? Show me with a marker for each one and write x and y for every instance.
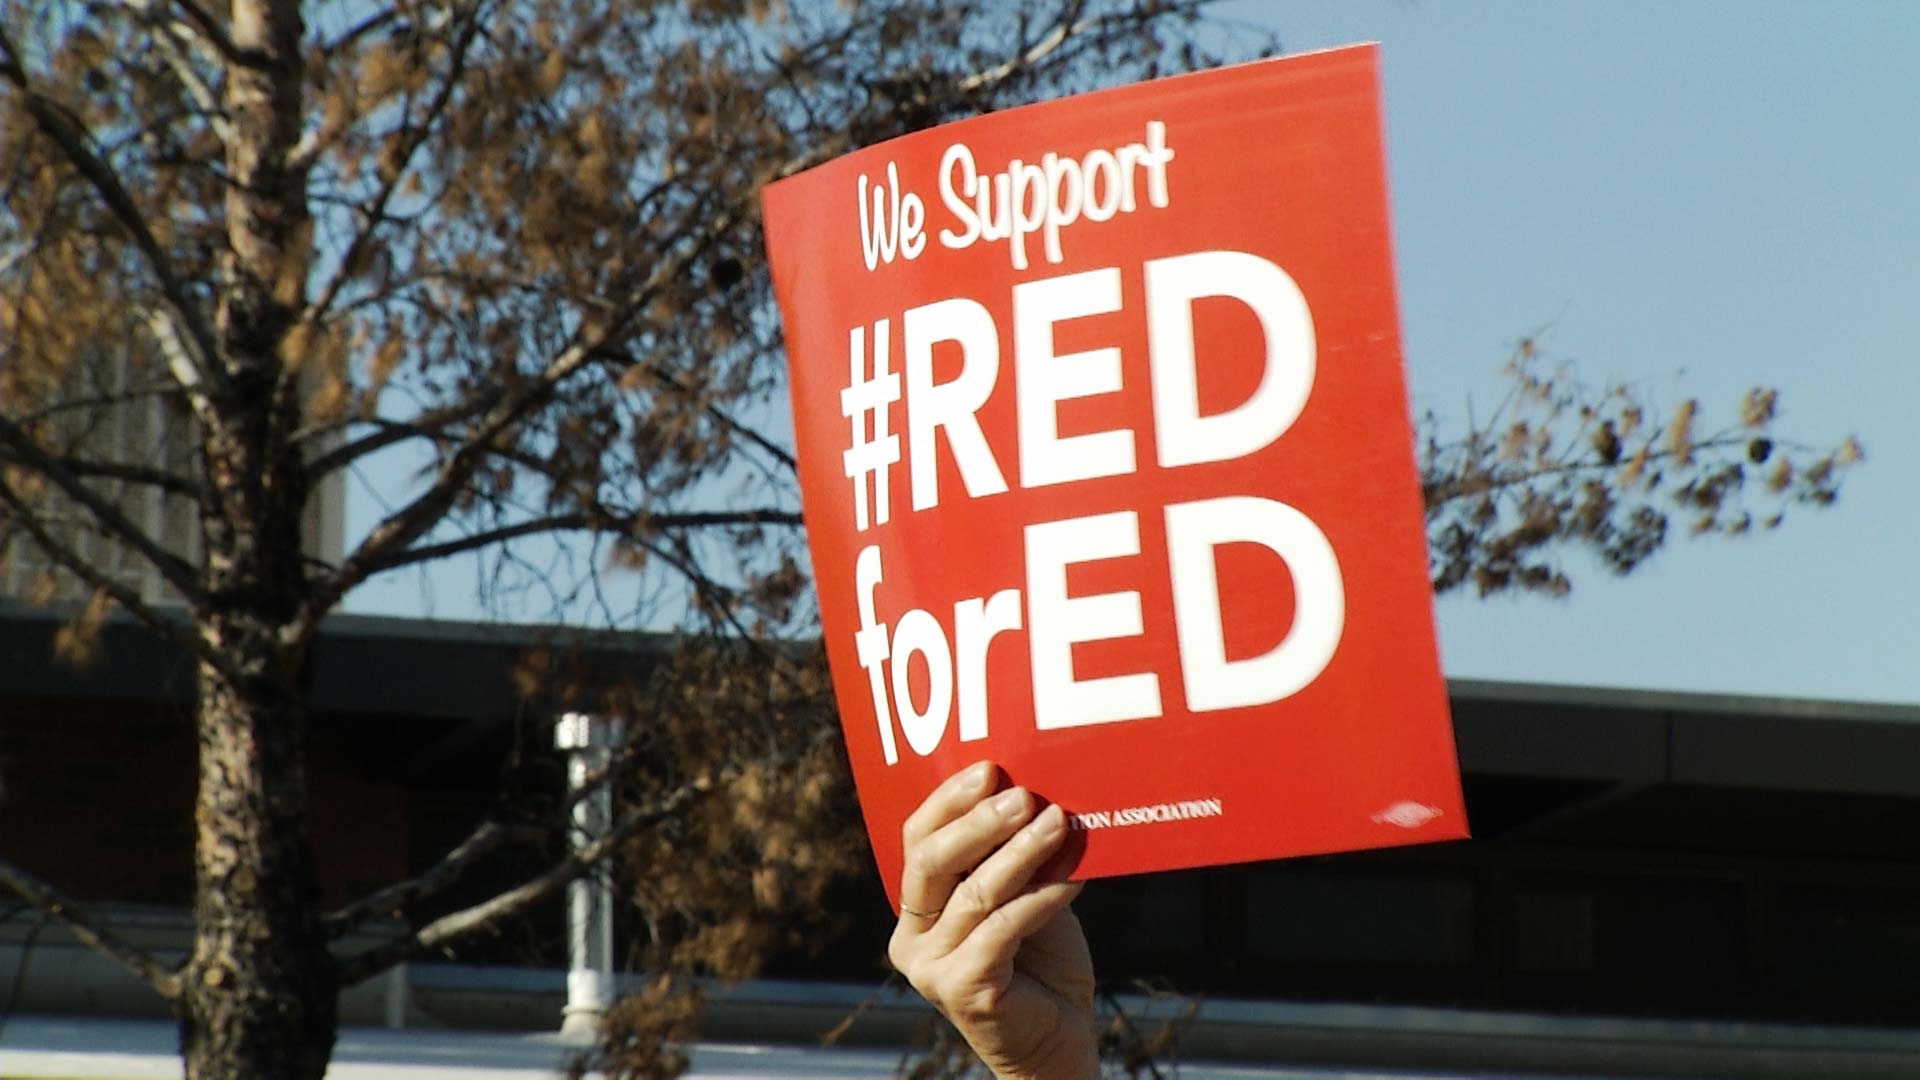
(1107, 472)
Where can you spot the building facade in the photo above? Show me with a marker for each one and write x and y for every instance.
(1658, 884)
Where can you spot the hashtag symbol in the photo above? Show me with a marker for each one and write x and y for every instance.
(865, 398)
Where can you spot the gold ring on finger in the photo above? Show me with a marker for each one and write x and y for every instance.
(918, 914)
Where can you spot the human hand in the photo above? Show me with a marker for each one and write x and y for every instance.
(986, 938)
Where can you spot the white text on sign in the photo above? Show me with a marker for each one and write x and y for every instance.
(1021, 200)
(1054, 621)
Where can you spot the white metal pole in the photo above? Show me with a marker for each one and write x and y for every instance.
(589, 742)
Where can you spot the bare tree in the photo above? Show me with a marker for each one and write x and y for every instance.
(248, 252)
(275, 239)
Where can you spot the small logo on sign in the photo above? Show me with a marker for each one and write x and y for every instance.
(1407, 815)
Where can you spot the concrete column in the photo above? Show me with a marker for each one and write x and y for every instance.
(589, 742)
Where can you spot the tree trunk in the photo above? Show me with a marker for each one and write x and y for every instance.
(259, 994)
(259, 991)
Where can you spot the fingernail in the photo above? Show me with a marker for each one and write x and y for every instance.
(979, 773)
(1051, 820)
(1011, 802)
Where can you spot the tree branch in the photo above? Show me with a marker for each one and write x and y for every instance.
(448, 929)
(487, 837)
(375, 211)
(161, 389)
(167, 34)
(60, 907)
(68, 133)
(584, 520)
(621, 358)
(1449, 485)
(393, 900)
(432, 425)
(717, 597)
(119, 592)
(406, 525)
(359, 30)
(707, 519)
(177, 571)
(412, 521)
(145, 476)
(1068, 25)
(214, 34)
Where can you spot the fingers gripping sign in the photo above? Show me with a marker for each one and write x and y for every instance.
(985, 931)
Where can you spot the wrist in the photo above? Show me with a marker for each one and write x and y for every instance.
(1072, 1059)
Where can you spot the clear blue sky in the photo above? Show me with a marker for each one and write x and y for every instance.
(1700, 197)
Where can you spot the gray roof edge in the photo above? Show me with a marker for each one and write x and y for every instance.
(386, 628)
(462, 632)
(1596, 696)
(343, 625)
